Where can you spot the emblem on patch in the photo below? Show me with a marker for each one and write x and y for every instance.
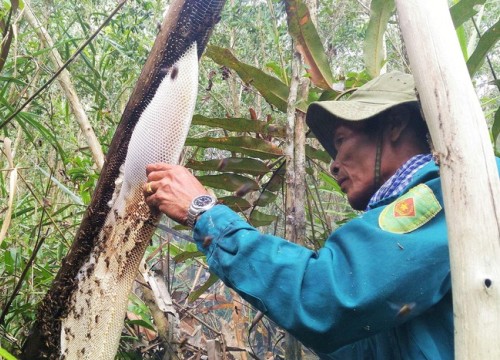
(410, 211)
(404, 208)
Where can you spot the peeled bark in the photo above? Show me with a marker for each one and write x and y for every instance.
(471, 187)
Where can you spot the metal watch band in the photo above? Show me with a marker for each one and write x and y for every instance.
(199, 205)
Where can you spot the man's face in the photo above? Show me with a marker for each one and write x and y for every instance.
(354, 165)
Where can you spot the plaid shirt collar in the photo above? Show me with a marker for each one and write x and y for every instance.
(397, 182)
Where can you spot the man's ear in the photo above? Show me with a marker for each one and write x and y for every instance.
(396, 126)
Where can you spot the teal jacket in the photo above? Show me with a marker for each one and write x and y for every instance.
(379, 288)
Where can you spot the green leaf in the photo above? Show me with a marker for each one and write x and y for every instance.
(463, 11)
(328, 95)
(12, 80)
(487, 41)
(265, 198)
(29, 118)
(260, 219)
(272, 89)
(92, 85)
(308, 43)
(232, 164)
(176, 249)
(242, 144)
(317, 154)
(130, 339)
(198, 292)
(355, 80)
(495, 129)
(230, 182)
(141, 323)
(277, 70)
(76, 199)
(374, 45)
(330, 182)
(241, 125)
(6, 355)
(185, 255)
(6, 5)
(9, 261)
(462, 39)
(236, 203)
(275, 183)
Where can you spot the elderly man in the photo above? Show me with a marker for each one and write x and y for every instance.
(380, 287)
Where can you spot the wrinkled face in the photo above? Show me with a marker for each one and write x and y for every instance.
(354, 165)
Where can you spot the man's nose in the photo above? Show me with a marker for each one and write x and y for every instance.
(334, 168)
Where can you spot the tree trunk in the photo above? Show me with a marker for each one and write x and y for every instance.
(295, 218)
(471, 187)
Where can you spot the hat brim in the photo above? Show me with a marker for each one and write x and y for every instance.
(322, 117)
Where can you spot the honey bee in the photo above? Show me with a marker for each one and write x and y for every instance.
(402, 310)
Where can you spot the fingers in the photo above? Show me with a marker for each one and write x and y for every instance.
(153, 202)
(153, 187)
(159, 167)
(166, 203)
(155, 167)
(157, 172)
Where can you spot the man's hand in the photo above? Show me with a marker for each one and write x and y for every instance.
(170, 189)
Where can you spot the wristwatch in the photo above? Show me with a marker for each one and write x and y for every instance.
(199, 205)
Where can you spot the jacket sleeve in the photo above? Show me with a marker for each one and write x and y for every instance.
(364, 280)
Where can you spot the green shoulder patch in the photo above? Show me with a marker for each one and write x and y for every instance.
(410, 211)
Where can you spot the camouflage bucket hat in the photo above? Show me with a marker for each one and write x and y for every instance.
(378, 95)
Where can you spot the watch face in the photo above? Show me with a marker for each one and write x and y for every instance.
(202, 201)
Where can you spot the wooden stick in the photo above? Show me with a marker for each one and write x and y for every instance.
(471, 187)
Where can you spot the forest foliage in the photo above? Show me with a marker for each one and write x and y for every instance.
(236, 144)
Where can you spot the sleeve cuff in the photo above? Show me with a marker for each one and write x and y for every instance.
(211, 225)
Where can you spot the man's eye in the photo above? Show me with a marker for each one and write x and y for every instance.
(338, 141)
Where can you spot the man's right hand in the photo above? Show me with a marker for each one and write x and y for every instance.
(170, 189)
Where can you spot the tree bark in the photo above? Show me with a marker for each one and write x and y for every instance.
(67, 86)
(295, 161)
(470, 183)
(295, 218)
